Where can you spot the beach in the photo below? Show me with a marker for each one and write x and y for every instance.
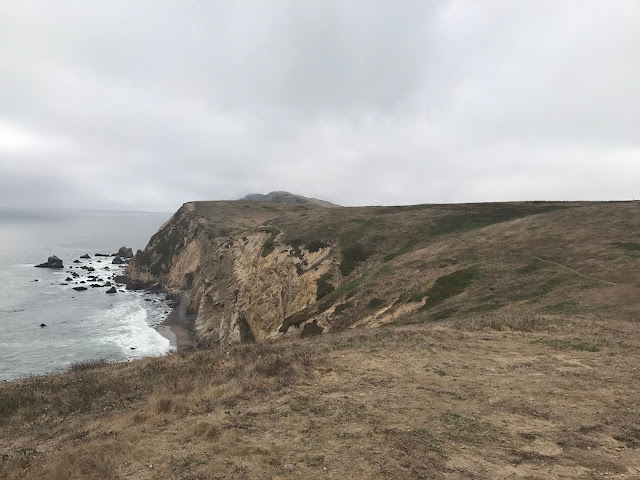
(178, 326)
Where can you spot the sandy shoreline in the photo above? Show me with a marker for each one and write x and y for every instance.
(178, 326)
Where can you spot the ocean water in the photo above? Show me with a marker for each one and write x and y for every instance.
(80, 326)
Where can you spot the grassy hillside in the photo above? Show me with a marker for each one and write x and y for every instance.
(507, 347)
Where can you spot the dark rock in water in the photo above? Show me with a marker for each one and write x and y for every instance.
(125, 252)
(117, 261)
(86, 255)
(102, 255)
(112, 290)
(80, 289)
(68, 279)
(42, 325)
(77, 261)
(75, 275)
(132, 348)
(52, 262)
(91, 269)
(122, 291)
(36, 280)
(107, 284)
(64, 284)
(106, 268)
(95, 285)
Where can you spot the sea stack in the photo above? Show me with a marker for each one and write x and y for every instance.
(125, 252)
(52, 262)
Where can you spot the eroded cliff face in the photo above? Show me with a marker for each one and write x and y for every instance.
(243, 284)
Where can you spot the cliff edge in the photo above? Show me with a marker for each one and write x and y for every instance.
(261, 270)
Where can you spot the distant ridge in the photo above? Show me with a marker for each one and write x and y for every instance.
(286, 197)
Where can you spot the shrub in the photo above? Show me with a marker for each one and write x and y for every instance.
(324, 287)
(375, 303)
(351, 258)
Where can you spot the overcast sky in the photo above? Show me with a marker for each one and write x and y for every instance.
(145, 105)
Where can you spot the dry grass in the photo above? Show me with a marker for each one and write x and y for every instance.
(459, 399)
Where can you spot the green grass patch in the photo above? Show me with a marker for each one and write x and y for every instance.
(485, 215)
(443, 314)
(416, 297)
(450, 285)
(629, 246)
(534, 266)
(404, 250)
(384, 271)
(351, 258)
(324, 287)
(487, 307)
(269, 245)
(579, 344)
(559, 307)
(375, 303)
(538, 292)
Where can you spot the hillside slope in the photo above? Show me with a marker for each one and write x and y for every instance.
(265, 270)
(506, 346)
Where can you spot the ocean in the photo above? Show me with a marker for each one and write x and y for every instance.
(80, 325)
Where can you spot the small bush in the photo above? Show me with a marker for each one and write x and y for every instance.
(163, 405)
(324, 287)
(342, 307)
(375, 303)
(351, 258)
(269, 244)
(316, 245)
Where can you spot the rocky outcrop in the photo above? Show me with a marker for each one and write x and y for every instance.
(125, 252)
(117, 261)
(52, 262)
(244, 282)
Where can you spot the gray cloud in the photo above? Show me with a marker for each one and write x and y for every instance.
(147, 105)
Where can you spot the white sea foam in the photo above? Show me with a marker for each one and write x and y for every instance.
(125, 325)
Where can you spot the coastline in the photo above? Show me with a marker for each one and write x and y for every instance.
(177, 327)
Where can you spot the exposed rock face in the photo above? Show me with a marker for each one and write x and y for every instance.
(240, 291)
(117, 261)
(125, 252)
(52, 262)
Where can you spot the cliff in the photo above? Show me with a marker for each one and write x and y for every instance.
(259, 270)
